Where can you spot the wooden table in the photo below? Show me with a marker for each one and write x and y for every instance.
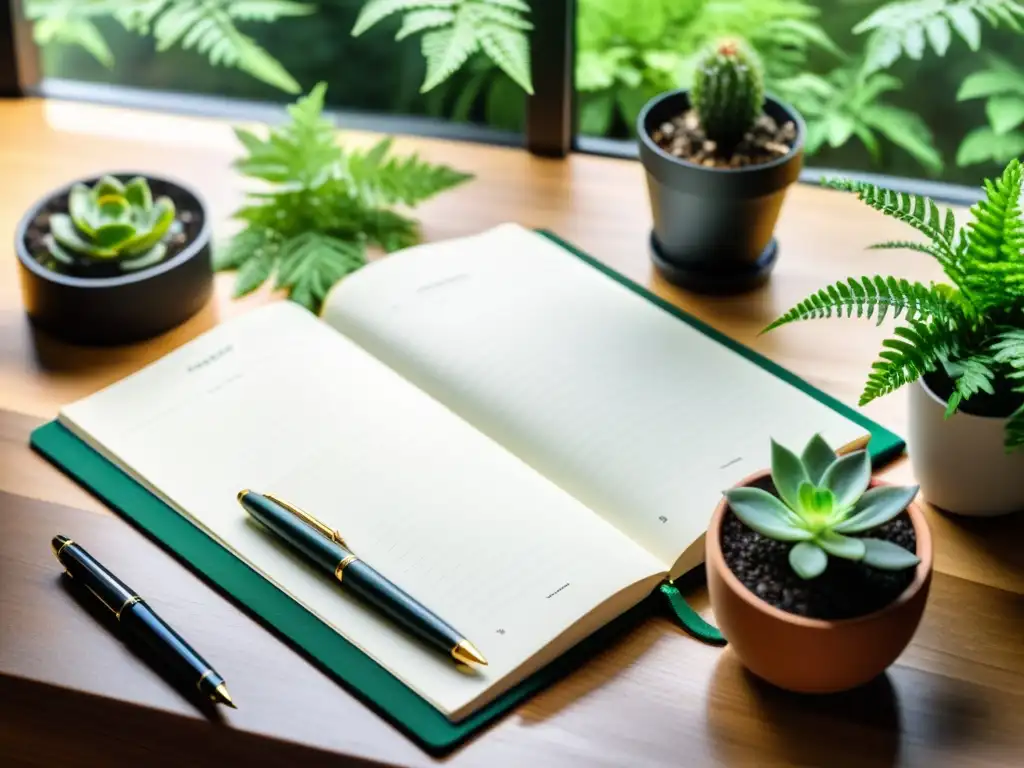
(71, 694)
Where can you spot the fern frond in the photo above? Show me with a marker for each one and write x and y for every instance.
(866, 295)
(909, 27)
(252, 242)
(970, 375)
(917, 348)
(382, 180)
(920, 212)
(421, 21)
(208, 27)
(994, 261)
(301, 154)
(311, 263)
(1008, 350)
(454, 30)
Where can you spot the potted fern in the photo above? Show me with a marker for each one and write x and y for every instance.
(115, 258)
(959, 347)
(719, 159)
(818, 574)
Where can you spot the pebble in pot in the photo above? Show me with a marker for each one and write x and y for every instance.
(818, 575)
(959, 345)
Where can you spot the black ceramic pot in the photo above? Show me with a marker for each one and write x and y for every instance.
(126, 307)
(713, 226)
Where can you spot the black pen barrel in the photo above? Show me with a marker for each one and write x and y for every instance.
(390, 599)
(177, 656)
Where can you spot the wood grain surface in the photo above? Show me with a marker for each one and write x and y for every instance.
(72, 694)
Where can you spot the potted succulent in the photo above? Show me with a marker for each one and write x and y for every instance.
(818, 574)
(719, 159)
(959, 347)
(115, 259)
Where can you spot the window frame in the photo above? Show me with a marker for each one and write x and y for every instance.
(550, 125)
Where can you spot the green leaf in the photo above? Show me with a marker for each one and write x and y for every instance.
(254, 272)
(887, 556)
(267, 10)
(138, 194)
(150, 258)
(966, 24)
(112, 208)
(848, 478)
(788, 473)
(841, 546)
(816, 458)
(766, 514)
(312, 263)
(82, 208)
(983, 145)
(64, 232)
(377, 10)
(816, 505)
(510, 50)
(877, 506)
(108, 185)
(865, 295)
(113, 236)
(420, 21)
(161, 217)
(807, 560)
(70, 30)
(990, 83)
(907, 131)
(446, 50)
(1005, 112)
(57, 250)
(247, 244)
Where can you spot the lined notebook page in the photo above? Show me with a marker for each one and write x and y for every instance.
(639, 416)
(278, 402)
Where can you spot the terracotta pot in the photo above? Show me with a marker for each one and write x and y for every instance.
(960, 462)
(813, 655)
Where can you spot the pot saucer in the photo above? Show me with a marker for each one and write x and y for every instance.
(724, 280)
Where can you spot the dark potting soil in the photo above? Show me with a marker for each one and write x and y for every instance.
(845, 590)
(188, 223)
(683, 137)
(999, 405)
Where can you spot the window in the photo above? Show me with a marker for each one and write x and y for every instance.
(465, 64)
(932, 89)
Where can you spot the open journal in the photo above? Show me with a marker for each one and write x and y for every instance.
(517, 440)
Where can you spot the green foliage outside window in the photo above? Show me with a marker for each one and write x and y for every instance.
(910, 87)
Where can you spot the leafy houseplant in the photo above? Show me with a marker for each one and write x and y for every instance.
(719, 158)
(818, 575)
(960, 345)
(322, 205)
(115, 259)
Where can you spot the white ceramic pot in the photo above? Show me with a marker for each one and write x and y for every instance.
(960, 462)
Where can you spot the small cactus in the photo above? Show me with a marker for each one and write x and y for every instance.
(728, 92)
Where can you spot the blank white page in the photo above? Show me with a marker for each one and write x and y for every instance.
(278, 402)
(635, 413)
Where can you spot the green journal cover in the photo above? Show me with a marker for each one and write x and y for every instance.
(320, 643)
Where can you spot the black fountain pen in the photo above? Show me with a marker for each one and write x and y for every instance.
(327, 549)
(139, 620)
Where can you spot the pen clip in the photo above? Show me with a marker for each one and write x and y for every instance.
(307, 518)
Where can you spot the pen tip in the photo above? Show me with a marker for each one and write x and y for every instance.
(242, 493)
(221, 696)
(467, 653)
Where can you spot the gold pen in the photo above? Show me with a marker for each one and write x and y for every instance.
(325, 547)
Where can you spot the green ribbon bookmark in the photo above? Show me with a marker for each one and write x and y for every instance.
(690, 620)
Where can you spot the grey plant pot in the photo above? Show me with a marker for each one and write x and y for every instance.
(960, 462)
(713, 227)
